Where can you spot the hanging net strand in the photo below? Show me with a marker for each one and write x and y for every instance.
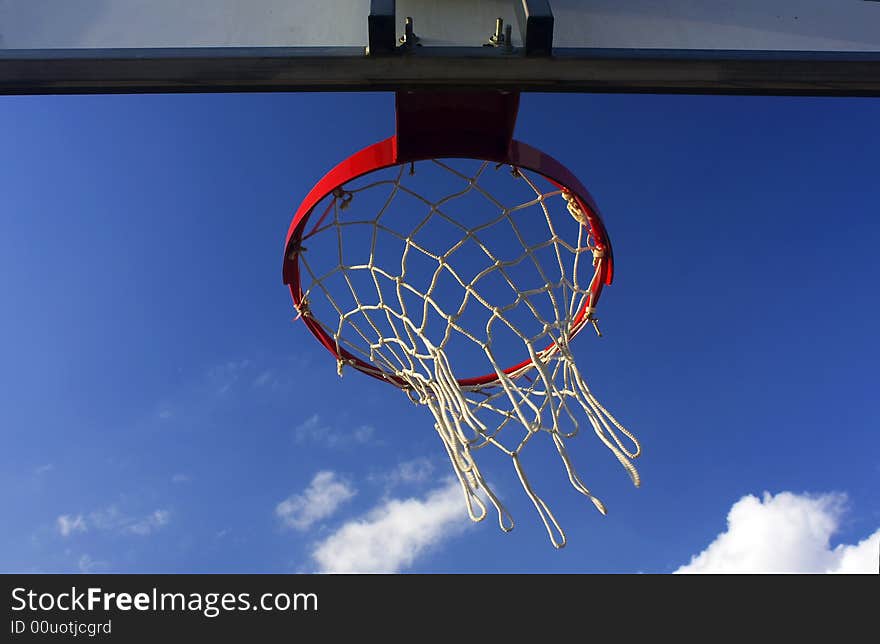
(381, 315)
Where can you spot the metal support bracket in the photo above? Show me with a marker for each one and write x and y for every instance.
(381, 25)
(535, 26)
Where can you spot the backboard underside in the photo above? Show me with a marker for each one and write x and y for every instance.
(816, 47)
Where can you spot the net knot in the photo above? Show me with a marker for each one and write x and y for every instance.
(574, 208)
(296, 248)
(340, 363)
(514, 171)
(302, 309)
(344, 196)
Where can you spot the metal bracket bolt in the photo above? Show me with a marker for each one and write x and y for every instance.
(409, 38)
(502, 36)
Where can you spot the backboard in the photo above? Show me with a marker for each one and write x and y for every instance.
(814, 47)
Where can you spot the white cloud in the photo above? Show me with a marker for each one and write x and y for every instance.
(314, 430)
(181, 478)
(68, 524)
(392, 535)
(311, 430)
(860, 558)
(110, 519)
(149, 523)
(363, 433)
(786, 533)
(223, 376)
(417, 470)
(86, 564)
(318, 501)
(266, 378)
(44, 469)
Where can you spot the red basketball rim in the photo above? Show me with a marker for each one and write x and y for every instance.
(383, 155)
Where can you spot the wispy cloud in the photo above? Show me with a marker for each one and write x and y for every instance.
(223, 376)
(265, 379)
(221, 383)
(314, 430)
(43, 469)
(68, 524)
(149, 523)
(181, 478)
(320, 500)
(363, 433)
(786, 533)
(417, 470)
(276, 375)
(212, 387)
(110, 519)
(391, 536)
(86, 564)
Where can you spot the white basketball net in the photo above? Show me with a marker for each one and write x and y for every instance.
(374, 320)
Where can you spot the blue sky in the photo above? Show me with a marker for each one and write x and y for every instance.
(161, 412)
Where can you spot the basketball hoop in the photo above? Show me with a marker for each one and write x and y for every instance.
(397, 283)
